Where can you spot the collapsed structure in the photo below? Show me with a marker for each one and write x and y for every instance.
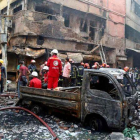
(76, 28)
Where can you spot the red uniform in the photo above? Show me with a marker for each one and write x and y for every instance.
(36, 83)
(55, 69)
(46, 77)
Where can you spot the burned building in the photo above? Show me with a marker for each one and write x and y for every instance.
(132, 32)
(76, 28)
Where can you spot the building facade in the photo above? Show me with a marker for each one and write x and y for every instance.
(132, 32)
(75, 27)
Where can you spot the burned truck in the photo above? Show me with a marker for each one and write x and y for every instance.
(100, 101)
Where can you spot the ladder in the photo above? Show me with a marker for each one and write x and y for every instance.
(102, 54)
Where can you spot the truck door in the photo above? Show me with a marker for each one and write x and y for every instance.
(102, 99)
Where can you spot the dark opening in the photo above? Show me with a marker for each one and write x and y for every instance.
(17, 9)
(66, 20)
(40, 40)
(83, 25)
(132, 34)
(92, 30)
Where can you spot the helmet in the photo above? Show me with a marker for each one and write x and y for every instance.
(107, 66)
(1, 61)
(45, 63)
(45, 68)
(70, 60)
(96, 63)
(104, 65)
(54, 51)
(34, 73)
(33, 61)
(126, 69)
(82, 64)
(86, 65)
(94, 66)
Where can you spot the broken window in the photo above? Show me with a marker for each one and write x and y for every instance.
(40, 40)
(66, 20)
(136, 8)
(102, 83)
(17, 9)
(83, 25)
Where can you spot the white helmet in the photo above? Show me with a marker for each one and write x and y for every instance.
(45, 68)
(34, 73)
(54, 51)
(33, 61)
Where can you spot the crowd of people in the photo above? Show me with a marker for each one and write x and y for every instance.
(54, 73)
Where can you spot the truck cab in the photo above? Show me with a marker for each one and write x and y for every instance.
(105, 99)
(101, 100)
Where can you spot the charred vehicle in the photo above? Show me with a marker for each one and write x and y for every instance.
(100, 100)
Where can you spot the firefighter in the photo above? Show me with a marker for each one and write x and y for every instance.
(98, 66)
(32, 67)
(136, 73)
(107, 66)
(46, 73)
(55, 70)
(86, 66)
(74, 71)
(80, 74)
(45, 78)
(35, 82)
(60, 83)
(104, 65)
(94, 67)
(125, 80)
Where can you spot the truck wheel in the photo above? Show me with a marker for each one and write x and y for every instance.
(96, 124)
(35, 109)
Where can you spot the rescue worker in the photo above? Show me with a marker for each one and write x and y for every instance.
(41, 69)
(125, 81)
(86, 66)
(98, 66)
(94, 67)
(107, 66)
(74, 71)
(35, 82)
(136, 76)
(31, 68)
(55, 70)
(45, 78)
(80, 74)
(60, 83)
(2, 75)
(104, 65)
(46, 72)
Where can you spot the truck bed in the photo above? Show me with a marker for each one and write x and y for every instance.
(66, 99)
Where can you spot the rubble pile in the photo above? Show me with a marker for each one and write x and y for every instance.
(18, 125)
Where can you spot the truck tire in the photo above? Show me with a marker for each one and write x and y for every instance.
(96, 124)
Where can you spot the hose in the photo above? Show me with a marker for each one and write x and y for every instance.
(44, 123)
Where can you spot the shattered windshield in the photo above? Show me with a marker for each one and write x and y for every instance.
(126, 84)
